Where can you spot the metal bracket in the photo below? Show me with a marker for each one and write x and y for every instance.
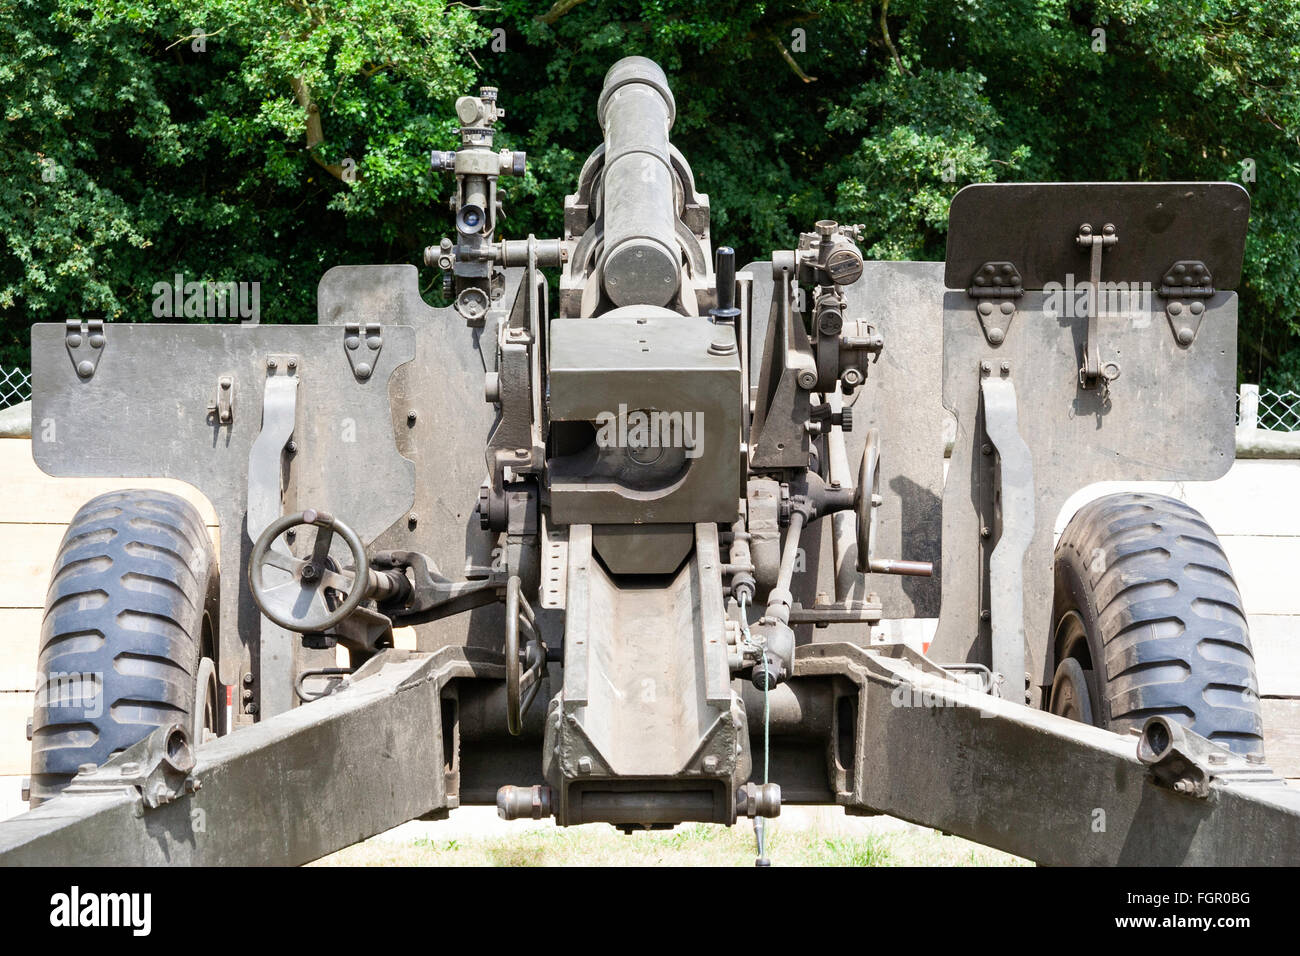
(222, 409)
(1014, 496)
(555, 565)
(157, 769)
(362, 359)
(86, 343)
(1185, 284)
(996, 280)
(1188, 763)
(1091, 372)
(265, 505)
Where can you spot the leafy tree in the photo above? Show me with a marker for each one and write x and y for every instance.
(212, 162)
(222, 140)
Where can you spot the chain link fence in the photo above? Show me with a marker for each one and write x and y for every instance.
(15, 386)
(1268, 410)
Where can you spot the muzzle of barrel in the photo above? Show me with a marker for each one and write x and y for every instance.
(641, 262)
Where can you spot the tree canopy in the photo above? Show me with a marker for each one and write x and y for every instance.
(266, 140)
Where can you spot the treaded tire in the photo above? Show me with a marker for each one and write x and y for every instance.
(1145, 599)
(130, 606)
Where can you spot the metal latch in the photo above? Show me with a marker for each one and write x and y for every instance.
(1186, 283)
(1092, 372)
(995, 281)
(362, 359)
(222, 409)
(86, 343)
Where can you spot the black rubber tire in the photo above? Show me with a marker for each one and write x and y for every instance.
(1146, 601)
(130, 612)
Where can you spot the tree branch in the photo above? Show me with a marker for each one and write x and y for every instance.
(560, 8)
(315, 132)
(884, 30)
(785, 55)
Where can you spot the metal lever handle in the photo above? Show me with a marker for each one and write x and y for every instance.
(724, 274)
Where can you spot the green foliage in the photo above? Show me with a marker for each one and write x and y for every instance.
(134, 149)
(172, 153)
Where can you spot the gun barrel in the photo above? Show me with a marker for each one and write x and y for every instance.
(642, 261)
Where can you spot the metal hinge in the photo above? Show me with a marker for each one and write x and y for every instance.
(86, 343)
(1185, 284)
(996, 283)
(362, 359)
(1092, 373)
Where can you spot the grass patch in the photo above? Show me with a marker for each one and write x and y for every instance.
(687, 845)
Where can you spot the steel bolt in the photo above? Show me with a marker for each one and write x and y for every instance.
(270, 365)
(985, 615)
(85, 368)
(250, 708)
(412, 520)
(411, 417)
(292, 363)
(986, 449)
(710, 764)
(985, 367)
(985, 532)
(1006, 367)
(1185, 336)
(997, 336)
(584, 765)
(291, 448)
(246, 696)
(248, 679)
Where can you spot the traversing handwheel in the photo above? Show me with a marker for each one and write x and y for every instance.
(296, 598)
(867, 500)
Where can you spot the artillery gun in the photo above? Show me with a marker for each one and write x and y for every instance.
(649, 552)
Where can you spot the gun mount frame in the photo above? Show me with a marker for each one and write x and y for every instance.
(603, 612)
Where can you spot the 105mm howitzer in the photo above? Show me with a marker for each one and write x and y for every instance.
(653, 577)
